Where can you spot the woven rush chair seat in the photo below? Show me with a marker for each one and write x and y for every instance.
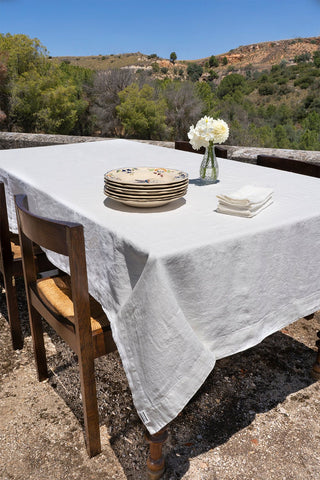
(64, 302)
(15, 246)
(16, 249)
(55, 293)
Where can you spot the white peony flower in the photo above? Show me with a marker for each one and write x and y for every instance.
(208, 130)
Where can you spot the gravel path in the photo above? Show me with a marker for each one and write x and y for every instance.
(255, 418)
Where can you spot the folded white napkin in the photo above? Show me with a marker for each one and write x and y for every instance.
(247, 195)
(248, 201)
(243, 212)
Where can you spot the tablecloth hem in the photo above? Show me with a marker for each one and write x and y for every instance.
(178, 396)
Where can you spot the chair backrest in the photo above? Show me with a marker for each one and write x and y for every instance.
(88, 337)
(187, 147)
(289, 165)
(65, 238)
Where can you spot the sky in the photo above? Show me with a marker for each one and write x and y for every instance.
(192, 28)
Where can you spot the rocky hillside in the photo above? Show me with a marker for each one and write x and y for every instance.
(258, 55)
(270, 53)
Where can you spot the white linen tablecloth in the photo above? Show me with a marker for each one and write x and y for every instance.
(182, 285)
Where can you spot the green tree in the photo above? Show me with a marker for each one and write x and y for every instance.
(22, 54)
(173, 57)
(266, 89)
(281, 138)
(212, 75)
(231, 84)
(4, 97)
(264, 136)
(18, 54)
(141, 115)
(194, 71)
(305, 80)
(303, 57)
(316, 58)
(208, 98)
(213, 62)
(46, 103)
(309, 140)
(312, 121)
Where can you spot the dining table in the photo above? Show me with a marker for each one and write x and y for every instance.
(182, 284)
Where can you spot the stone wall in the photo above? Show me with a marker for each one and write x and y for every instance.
(24, 140)
(242, 154)
(249, 154)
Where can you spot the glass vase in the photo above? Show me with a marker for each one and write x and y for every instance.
(209, 169)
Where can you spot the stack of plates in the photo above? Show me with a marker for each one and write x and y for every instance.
(145, 186)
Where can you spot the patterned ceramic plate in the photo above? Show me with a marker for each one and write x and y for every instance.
(141, 197)
(143, 204)
(146, 176)
(145, 191)
(146, 186)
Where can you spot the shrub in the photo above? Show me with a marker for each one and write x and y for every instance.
(155, 67)
(141, 116)
(284, 89)
(304, 81)
(213, 62)
(194, 71)
(303, 57)
(212, 75)
(316, 58)
(231, 84)
(266, 89)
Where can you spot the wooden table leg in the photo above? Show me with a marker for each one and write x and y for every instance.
(316, 366)
(156, 461)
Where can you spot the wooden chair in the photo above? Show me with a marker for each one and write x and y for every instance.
(11, 269)
(64, 302)
(289, 165)
(187, 147)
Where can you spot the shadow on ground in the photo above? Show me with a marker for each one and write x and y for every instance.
(236, 399)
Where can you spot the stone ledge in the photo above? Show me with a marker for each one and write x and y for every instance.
(9, 140)
(249, 154)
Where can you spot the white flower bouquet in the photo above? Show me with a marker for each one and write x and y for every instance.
(206, 133)
(208, 130)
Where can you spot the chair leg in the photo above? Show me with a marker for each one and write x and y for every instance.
(13, 313)
(316, 366)
(38, 343)
(156, 461)
(90, 404)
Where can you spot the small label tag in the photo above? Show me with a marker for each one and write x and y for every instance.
(144, 416)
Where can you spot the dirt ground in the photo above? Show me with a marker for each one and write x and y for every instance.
(255, 418)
